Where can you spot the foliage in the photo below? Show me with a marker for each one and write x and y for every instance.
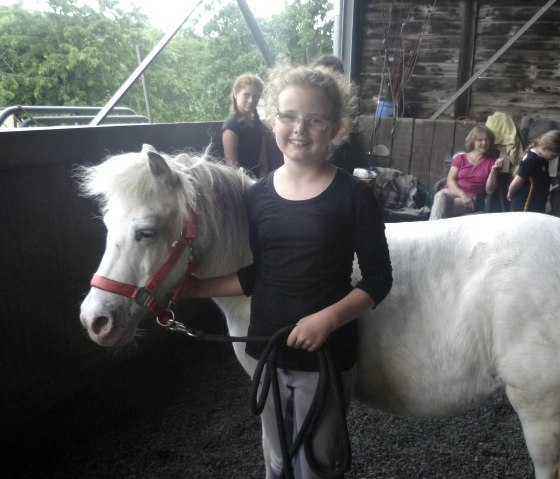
(304, 31)
(79, 55)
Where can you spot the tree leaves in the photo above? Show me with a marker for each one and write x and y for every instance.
(79, 55)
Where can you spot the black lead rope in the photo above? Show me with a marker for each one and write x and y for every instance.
(265, 377)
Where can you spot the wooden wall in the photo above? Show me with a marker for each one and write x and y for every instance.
(459, 37)
(415, 146)
(424, 148)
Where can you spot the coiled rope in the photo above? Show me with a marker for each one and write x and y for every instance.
(265, 378)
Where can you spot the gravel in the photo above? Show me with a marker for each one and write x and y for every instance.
(178, 408)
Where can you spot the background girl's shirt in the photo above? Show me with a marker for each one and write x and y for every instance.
(303, 255)
(249, 142)
(533, 193)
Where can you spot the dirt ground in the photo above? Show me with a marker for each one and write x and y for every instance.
(178, 408)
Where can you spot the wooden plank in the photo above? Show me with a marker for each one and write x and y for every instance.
(434, 79)
(383, 137)
(402, 145)
(462, 129)
(442, 149)
(365, 130)
(422, 150)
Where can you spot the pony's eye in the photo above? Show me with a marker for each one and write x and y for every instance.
(144, 234)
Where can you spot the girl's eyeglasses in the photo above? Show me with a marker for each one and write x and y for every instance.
(312, 122)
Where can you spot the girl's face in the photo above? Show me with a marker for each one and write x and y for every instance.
(482, 144)
(547, 154)
(247, 99)
(303, 125)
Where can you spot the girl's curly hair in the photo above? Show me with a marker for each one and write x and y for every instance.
(338, 90)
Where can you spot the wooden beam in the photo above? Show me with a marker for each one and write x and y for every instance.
(469, 14)
(495, 57)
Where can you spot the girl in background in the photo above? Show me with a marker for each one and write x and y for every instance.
(243, 134)
(528, 191)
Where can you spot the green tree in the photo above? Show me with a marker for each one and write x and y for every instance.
(230, 52)
(79, 55)
(65, 58)
(303, 31)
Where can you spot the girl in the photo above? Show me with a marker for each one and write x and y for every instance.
(529, 189)
(471, 176)
(307, 220)
(243, 134)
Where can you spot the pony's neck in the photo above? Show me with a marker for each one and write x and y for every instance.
(222, 245)
(215, 259)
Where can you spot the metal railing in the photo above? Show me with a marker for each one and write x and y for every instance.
(66, 115)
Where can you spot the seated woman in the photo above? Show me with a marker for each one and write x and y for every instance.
(472, 175)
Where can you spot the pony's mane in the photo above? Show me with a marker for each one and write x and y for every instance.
(203, 187)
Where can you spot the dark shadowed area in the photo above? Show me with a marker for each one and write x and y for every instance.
(176, 407)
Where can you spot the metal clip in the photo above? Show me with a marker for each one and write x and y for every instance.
(170, 319)
(178, 326)
(174, 325)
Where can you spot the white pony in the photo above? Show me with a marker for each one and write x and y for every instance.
(474, 305)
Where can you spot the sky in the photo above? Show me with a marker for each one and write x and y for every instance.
(166, 13)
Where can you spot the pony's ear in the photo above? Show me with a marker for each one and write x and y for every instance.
(146, 147)
(159, 167)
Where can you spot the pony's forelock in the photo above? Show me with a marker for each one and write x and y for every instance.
(201, 184)
(127, 178)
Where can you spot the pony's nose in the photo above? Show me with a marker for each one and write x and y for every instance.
(102, 325)
(99, 325)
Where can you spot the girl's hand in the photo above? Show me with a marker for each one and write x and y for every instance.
(310, 333)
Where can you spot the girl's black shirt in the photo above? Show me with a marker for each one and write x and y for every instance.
(303, 254)
(534, 190)
(249, 142)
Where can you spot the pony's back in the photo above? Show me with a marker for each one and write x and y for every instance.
(466, 293)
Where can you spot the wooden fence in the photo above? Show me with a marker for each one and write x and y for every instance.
(416, 147)
(422, 148)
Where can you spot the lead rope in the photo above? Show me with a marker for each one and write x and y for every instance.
(265, 377)
(328, 376)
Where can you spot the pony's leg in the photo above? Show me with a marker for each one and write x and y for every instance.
(540, 419)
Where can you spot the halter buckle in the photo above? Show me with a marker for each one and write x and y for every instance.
(143, 297)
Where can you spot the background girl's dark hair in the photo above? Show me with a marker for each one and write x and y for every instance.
(242, 81)
(330, 61)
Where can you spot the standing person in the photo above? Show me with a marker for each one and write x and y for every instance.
(350, 154)
(528, 191)
(307, 220)
(330, 61)
(243, 134)
(472, 175)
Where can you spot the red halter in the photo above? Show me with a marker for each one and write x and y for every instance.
(146, 296)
